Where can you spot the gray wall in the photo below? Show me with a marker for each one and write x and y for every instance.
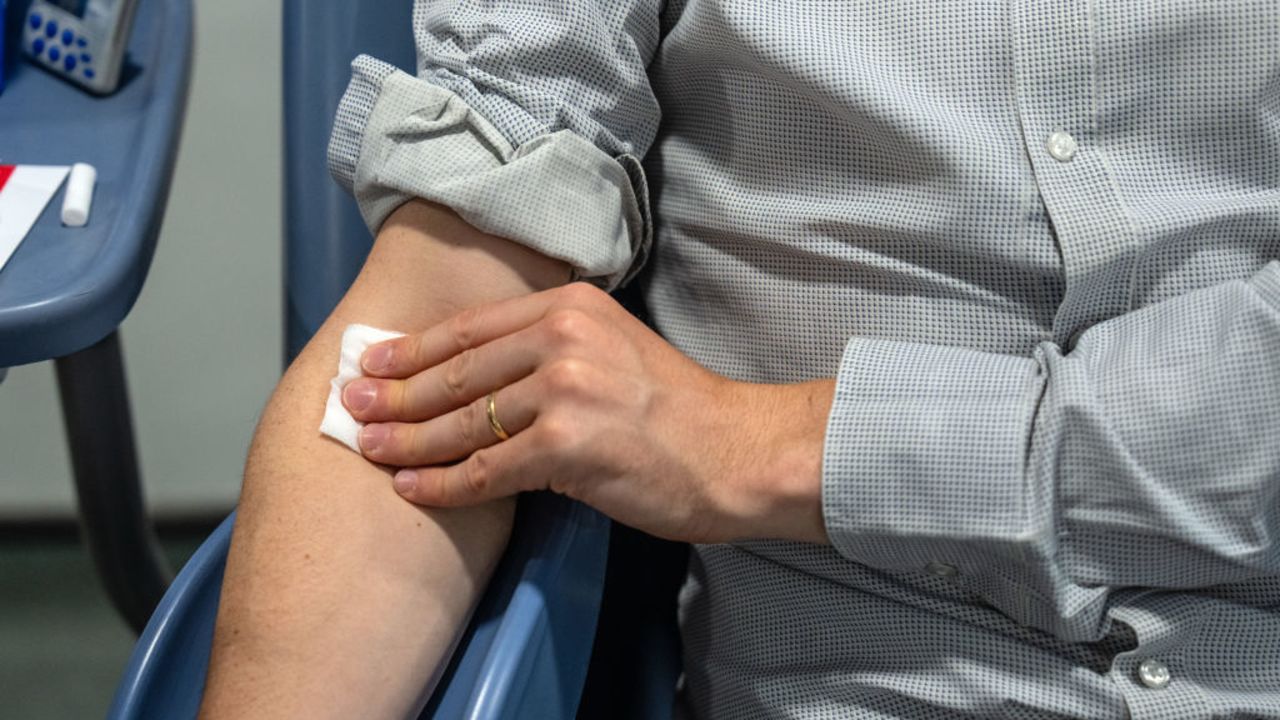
(202, 345)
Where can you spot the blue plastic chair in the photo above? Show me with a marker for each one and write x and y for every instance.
(527, 649)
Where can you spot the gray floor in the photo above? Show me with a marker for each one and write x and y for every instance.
(202, 348)
(62, 647)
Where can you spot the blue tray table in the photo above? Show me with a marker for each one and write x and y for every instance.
(66, 290)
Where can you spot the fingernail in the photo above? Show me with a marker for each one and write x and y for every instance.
(376, 358)
(404, 481)
(372, 436)
(358, 395)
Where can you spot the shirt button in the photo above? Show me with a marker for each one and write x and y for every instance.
(1154, 674)
(941, 569)
(1061, 146)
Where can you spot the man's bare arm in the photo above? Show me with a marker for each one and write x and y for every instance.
(341, 598)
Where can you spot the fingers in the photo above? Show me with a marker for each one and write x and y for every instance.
(510, 467)
(473, 327)
(447, 386)
(564, 330)
(468, 329)
(434, 387)
(454, 435)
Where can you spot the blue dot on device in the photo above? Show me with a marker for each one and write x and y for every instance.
(82, 42)
(51, 29)
(84, 57)
(88, 72)
(69, 62)
(37, 45)
(67, 37)
(54, 53)
(36, 20)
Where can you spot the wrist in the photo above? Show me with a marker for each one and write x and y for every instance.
(778, 464)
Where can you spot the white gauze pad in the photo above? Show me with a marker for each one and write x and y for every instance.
(338, 423)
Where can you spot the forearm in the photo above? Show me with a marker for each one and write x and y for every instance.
(334, 582)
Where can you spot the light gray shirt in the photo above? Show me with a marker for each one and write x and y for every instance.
(1036, 241)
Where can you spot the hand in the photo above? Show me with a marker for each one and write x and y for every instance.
(598, 407)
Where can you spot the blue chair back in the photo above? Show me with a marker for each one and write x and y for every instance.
(326, 240)
(527, 648)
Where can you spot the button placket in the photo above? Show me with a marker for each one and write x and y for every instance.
(1055, 88)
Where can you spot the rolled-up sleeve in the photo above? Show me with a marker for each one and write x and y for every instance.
(528, 121)
(1145, 458)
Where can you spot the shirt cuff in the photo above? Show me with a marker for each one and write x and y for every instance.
(924, 462)
(397, 137)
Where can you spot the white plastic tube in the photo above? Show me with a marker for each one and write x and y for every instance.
(79, 196)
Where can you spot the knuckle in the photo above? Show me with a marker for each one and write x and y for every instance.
(468, 418)
(464, 328)
(456, 371)
(568, 326)
(477, 474)
(568, 376)
(581, 293)
(559, 434)
(418, 353)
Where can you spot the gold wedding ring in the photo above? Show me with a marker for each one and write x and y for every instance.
(493, 419)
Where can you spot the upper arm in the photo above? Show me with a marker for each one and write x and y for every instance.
(527, 120)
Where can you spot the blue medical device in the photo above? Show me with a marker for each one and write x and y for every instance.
(80, 40)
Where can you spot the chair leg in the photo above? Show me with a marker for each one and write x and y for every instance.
(95, 409)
